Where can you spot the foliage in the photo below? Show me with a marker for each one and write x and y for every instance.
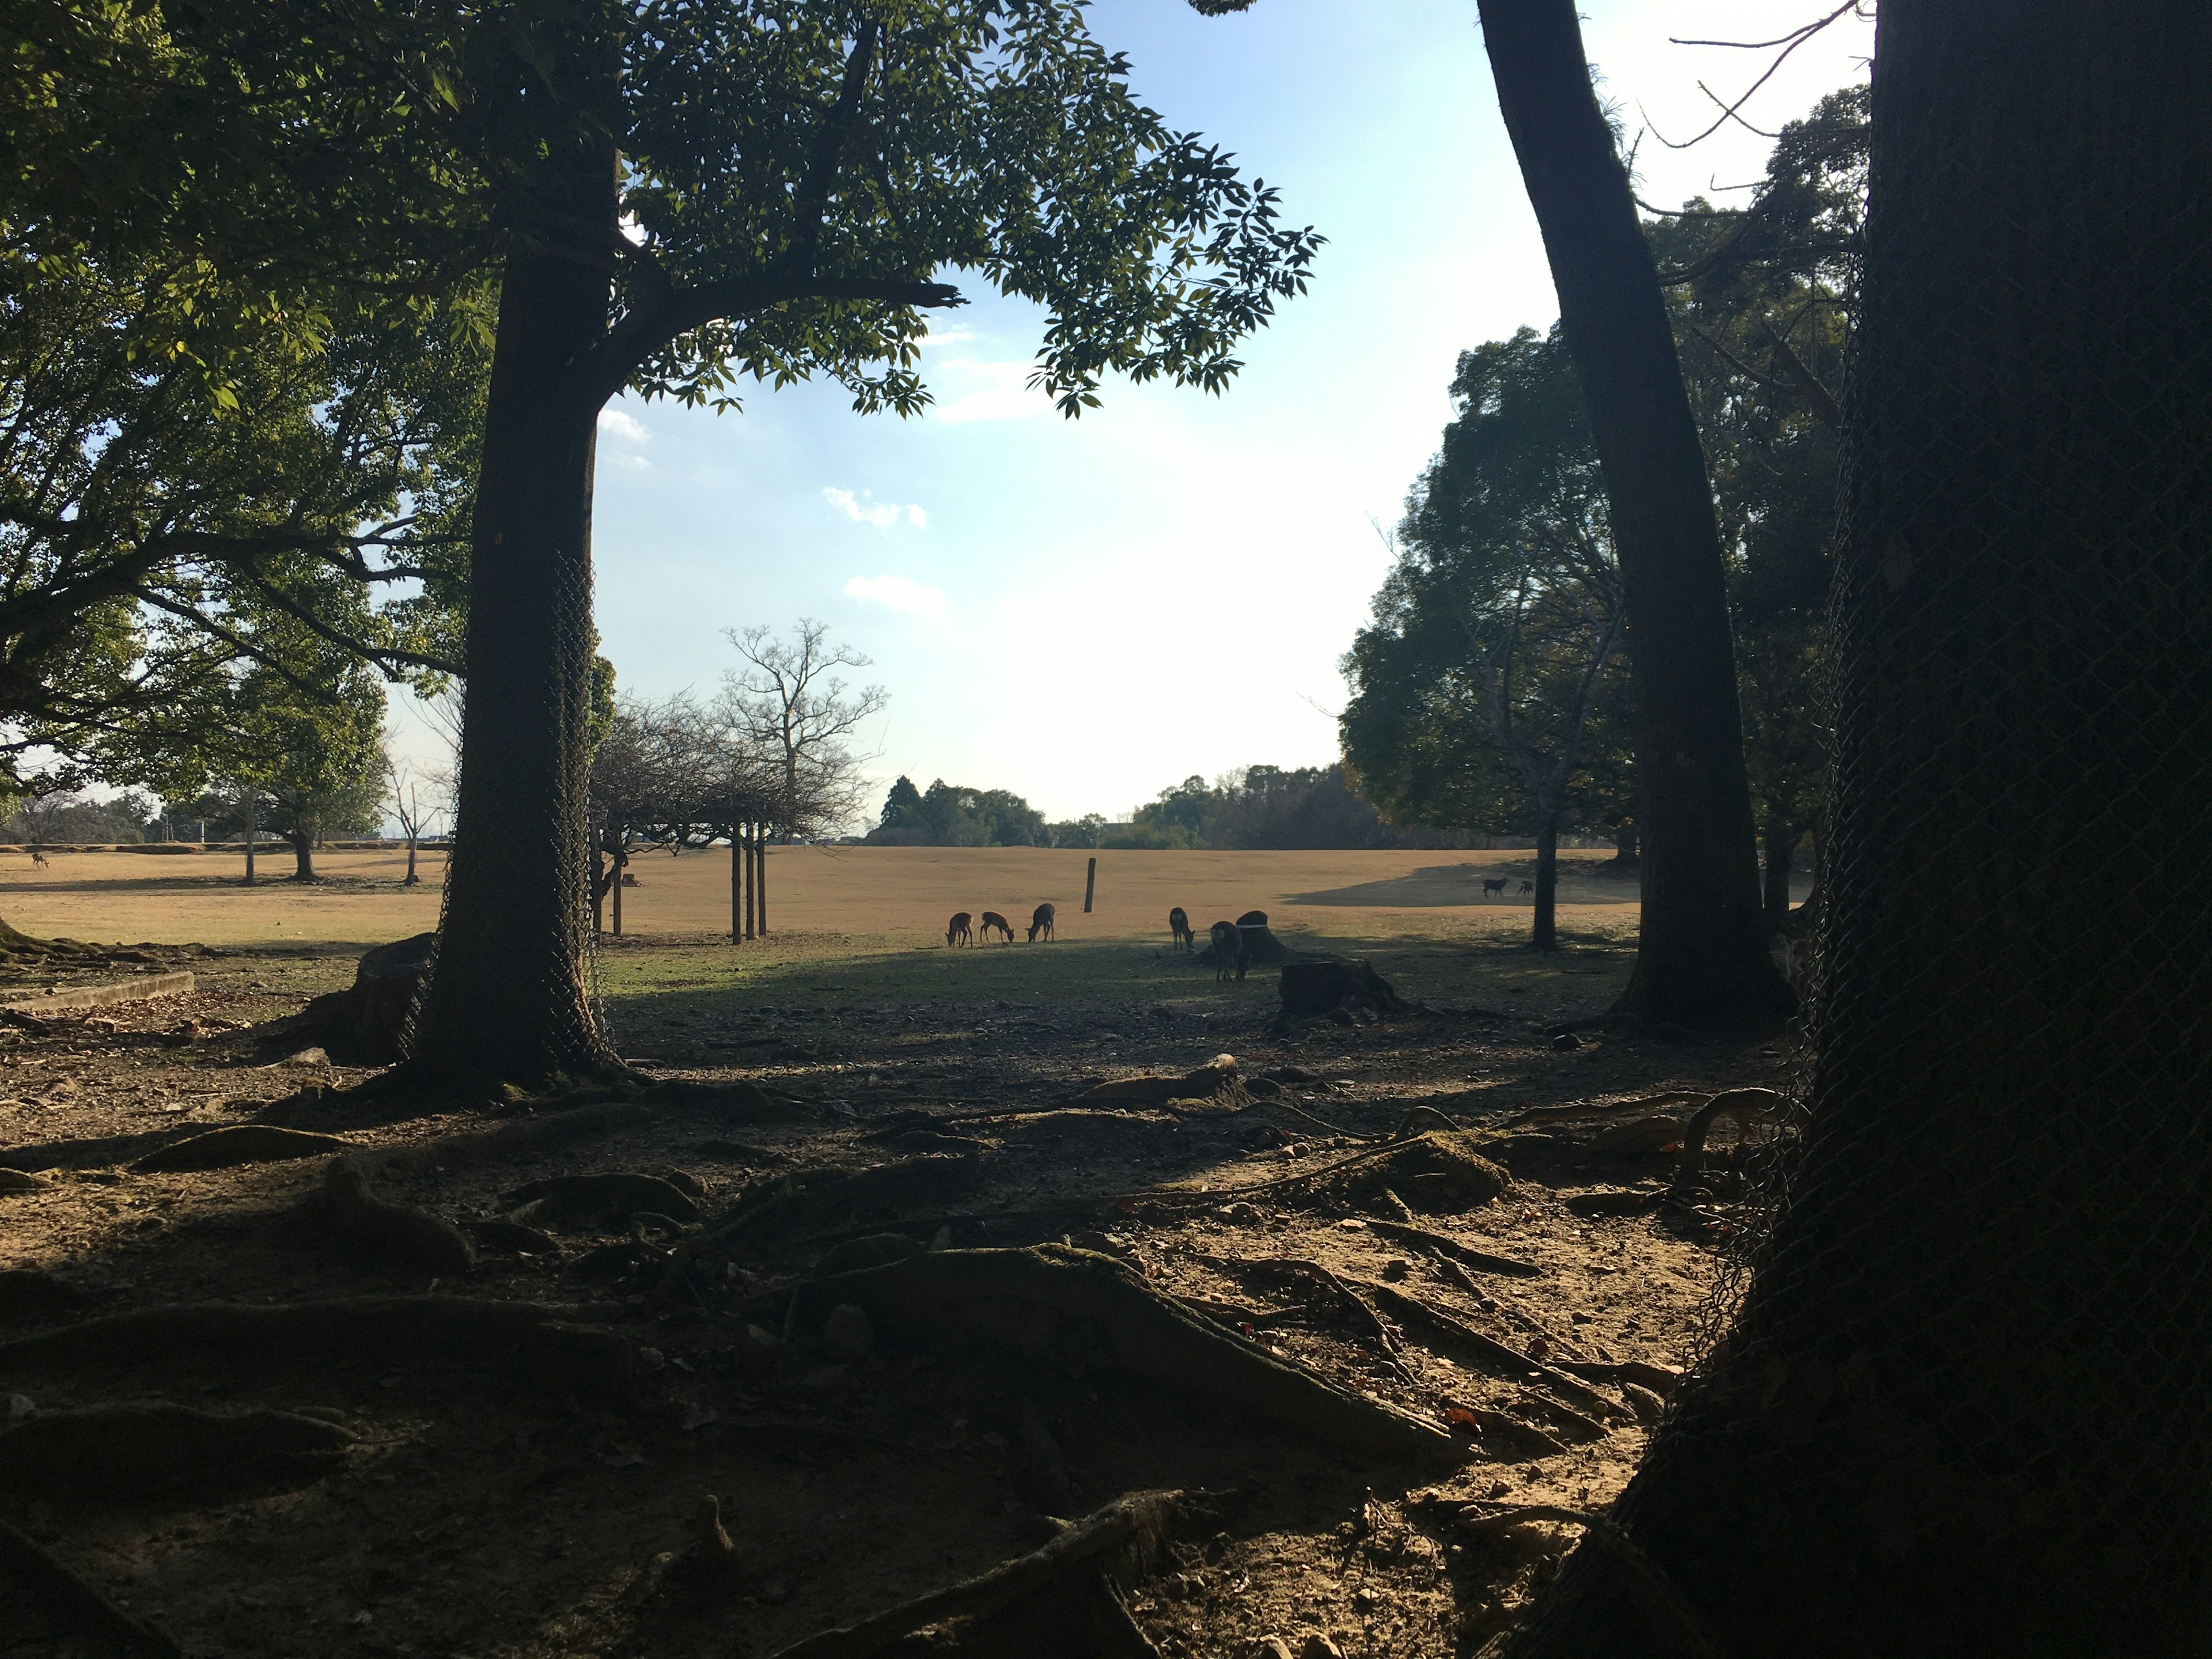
(1489, 688)
(1282, 808)
(154, 544)
(954, 815)
(73, 817)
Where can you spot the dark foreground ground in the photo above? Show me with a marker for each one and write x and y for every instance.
(467, 1484)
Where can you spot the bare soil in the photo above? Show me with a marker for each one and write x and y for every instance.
(479, 1510)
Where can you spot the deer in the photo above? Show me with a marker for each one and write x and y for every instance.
(1228, 950)
(956, 933)
(1179, 925)
(1498, 886)
(992, 919)
(38, 861)
(1528, 886)
(1041, 922)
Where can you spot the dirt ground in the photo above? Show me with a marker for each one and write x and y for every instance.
(486, 1493)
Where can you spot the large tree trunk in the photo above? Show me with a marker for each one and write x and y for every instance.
(1547, 934)
(509, 997)
(303, 854)
(1963, 1408)
(1701, 958)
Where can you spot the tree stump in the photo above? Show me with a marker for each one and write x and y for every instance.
(1311, 989)
(362, 1024)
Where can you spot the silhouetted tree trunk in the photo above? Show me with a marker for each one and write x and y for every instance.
(508, 994)
(1547, 937)
(302, 843)
(253, 817)
(1962, 1409)
(1701, 958)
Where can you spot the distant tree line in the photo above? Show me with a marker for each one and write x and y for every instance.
(954, 815)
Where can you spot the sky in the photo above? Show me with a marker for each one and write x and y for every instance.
(1087, 612)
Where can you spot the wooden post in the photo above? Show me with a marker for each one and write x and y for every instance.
(621, 863)
(752, 886)
(761, 854)
(1089, 881)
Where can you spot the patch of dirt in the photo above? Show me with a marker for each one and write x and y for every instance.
(481, 1500)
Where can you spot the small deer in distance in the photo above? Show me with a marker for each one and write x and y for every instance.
(1528, 886)
(38, 861)
(1041, 922)
(1179, 925)
(1494, 886)
(956, 931)
(992, 919)
(1228, 950)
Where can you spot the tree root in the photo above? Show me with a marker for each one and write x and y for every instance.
(585, 1200)
(1466, 1255)
(360, 1218)
(1582, 1108)
(524, 1138)
(1660, 1379)
(1497, 1425)
(808, 1198)
(1745, 1105)
(163, 1450)
(1210, 1079)
(15, 1182)
(1077, 1310)
(31, 1293)
(1635, 1139)
(536, 1344)
(1127, 1527)
(74, 1598)
(1509, 1363)
(1292, 1267)
(239, 1145)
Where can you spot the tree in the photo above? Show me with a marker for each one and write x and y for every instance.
(320, 766)
(1503, 617)
(901, 806)
(154, 538)
(954, 815)
(1960, 1405)
(1702, 958)
(790, 701)
(403, 787)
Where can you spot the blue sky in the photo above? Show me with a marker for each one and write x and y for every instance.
(1086, 612)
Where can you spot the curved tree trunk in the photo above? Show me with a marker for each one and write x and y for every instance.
(1701, 959)
(509, 995)
(303, 854)
(1963, 1407)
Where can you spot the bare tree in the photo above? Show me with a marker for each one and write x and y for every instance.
(404, 786)
(789, 701)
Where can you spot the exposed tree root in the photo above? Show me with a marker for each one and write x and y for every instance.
(1079, 1311)
(72, 1597)
(1466, 1255)
(1584, 1108)
(1128, 1527)
(510, 1236)
(239, 1145)
(30, 1293)
(814, 1199)
(1745, 1105)
(1487, 1351)
(1279, 1267)
(1660, 1379)
(163, 1450)
(13, 1181)
(358, 1216)
(523, 1138)
(1210, 1079)
(535, 1344)
(1635, 1139)
(1497, 1425)
(587, 1200)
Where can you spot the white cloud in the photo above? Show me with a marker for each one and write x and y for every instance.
(865, 509)
(616, 424)
(996, 392)
(898, 593)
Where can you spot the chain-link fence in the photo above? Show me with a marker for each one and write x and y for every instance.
(1960, 1400)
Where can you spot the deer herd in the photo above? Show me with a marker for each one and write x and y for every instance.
(1227, 938)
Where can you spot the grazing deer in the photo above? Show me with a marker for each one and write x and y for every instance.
(1497, 887)
(1179, 925)
(1228, 950)
(1041, 922)
(38, 861)
(956, 933)
(1528, 886)
(992, 919)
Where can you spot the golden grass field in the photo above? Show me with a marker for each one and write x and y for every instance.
(890, 896)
